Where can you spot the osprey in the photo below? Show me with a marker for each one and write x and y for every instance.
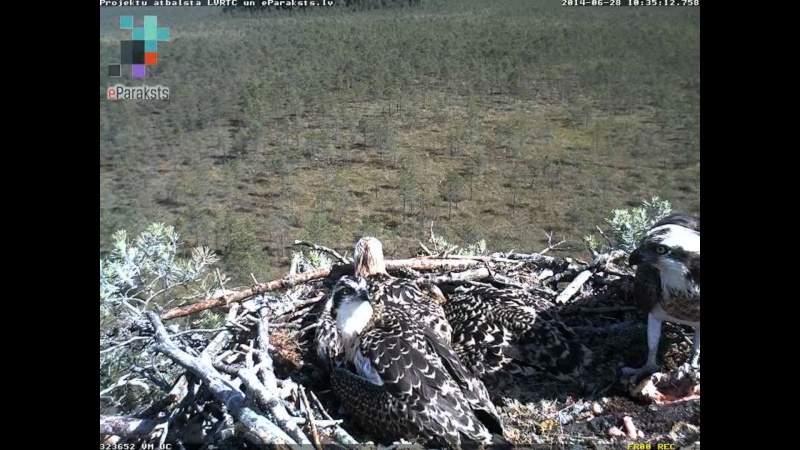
(507, 329)
(667, 282)
(422, 301)
(400, 380)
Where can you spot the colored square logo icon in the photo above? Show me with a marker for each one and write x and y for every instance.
(141, 49)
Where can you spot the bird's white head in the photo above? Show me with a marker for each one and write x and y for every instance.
(352, 309)
(675, 251)
(368, 257)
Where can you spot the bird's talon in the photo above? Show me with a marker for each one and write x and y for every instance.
(690, 371)
(640, 372)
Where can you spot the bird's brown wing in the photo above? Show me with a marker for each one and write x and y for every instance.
(421, 391)
(423, 306)
(329, 346)
(535, 340)
(473, 388)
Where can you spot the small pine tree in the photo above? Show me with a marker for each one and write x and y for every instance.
(135, 276)
(628, 226)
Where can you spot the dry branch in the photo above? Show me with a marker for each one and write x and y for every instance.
(258, 289)
(127, 426)
(468, 275)
(232, 398)
(573, 287)
(414, 263)
(338, 433)
(310, 418)
(322, 248)
(270, 383)
(550, 262)
(427, 263)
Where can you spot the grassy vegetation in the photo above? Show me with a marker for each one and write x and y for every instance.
(496, 120)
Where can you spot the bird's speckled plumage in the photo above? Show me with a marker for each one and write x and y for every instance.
(514, 331)
(422, 301)
(667, 282)
(327, 342)
(400, 380)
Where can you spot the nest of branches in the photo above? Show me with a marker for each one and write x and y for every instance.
(254, 383)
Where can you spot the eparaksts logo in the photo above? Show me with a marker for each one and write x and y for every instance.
(120, 92)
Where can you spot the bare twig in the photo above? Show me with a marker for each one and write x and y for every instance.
(508, 281)
(268, 399)
(573, 287)
(574, 270)
(324, 423)
(322, 248)
(124, 381)
(550, 245)
(270, 383)
(319, 405)
(123, 344)
(426, 249)
(608, 241)
(294, 313)
(310, 418)
(338, 433)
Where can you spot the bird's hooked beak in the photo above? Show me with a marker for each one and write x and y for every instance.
(363, 296)
(636, 258)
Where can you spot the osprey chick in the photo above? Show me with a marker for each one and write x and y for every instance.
(667, 283)
(506, 329)
(399, 380)
(423, 302)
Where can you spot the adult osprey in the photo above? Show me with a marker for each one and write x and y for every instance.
(399, 379)
(422, 301)
(511, 330)
(667, 282)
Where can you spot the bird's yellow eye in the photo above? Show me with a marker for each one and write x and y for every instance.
(347, 291)
(661, 249)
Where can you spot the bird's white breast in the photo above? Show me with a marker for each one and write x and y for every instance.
(352, 317)
(675, 278)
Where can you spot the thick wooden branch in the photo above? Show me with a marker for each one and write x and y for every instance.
(284, 283)
(238, 296)
(468, 275)
(126, 426)
(268, 400)
(551, 262)
(270, 384)
(226, 393)
(426, 263)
